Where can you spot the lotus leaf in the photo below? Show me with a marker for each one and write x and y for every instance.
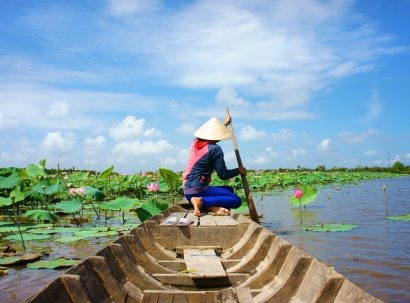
(9, 260)
(94, 233)
(27, 237)
(41, 215)
(12, 228)
(330, 227)
(69, 206)
(399, 217)
(149, 209)
(9, 182)
(42, 231)
(17, 195)
(35, 170)
(5, 201)
(94, 193)
(52, 264)
(20, 259)
(121, 204)
(69, 239)
(106, 173)
(172, 179)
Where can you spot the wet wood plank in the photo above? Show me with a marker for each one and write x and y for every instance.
(203, 263)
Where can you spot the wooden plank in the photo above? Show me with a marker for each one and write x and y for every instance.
(225, 221)
(203, 263)
(243, 294)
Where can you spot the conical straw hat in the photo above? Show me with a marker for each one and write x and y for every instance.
(213, 129)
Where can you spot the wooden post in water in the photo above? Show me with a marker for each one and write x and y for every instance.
(251, 206)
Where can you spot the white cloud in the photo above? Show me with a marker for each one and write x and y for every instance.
(375, 108)
(186, 129)
(325, 144)
(370, 152)
(129, 7)
(350, 137)
(139, 148)
(7, 122)
(248, 133)
(131, 128)
(227, 95)
(58, 142)
(299, 152)
(97, 141)
(58, 110)
(283, 135)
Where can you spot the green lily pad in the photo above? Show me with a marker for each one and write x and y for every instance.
(69, 239)
(330, 227)
(42, 231)
(149, 209)
(121, 203)
(69, 206)
(405, 217)
(13, 228)
(52, 264)
(41, 215)
(95, 233)
(27, 237)
(20, 259)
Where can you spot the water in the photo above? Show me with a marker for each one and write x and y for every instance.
(375, 256)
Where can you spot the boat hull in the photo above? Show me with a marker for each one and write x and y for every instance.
(213, 259)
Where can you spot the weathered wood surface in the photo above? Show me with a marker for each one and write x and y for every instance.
(223, 259)
(203, 263)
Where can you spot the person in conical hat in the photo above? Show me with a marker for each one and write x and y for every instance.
(206, 156)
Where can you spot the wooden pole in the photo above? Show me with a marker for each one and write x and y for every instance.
(248, 195)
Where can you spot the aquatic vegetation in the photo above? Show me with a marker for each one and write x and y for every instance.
(331, 227)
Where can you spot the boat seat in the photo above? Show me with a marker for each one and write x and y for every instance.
(203, 263)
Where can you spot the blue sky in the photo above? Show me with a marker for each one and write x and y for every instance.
(90, 84)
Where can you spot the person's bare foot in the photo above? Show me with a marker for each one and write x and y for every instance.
(219, 210)
(197, 203)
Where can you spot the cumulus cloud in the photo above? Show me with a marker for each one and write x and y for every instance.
(58, 142)
(325, 144)
(97, 141)
(248, 133)
(131, 128)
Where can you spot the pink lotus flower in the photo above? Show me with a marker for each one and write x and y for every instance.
(298, 193)
(153, 187)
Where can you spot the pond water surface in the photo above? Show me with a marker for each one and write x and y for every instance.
(375, 256)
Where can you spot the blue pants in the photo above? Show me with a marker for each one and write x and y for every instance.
(223, 196)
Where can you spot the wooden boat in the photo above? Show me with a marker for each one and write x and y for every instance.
(214, 259)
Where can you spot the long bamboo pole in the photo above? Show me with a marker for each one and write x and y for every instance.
(251, 206)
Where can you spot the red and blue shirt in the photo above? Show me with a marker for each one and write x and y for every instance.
(205, 158)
